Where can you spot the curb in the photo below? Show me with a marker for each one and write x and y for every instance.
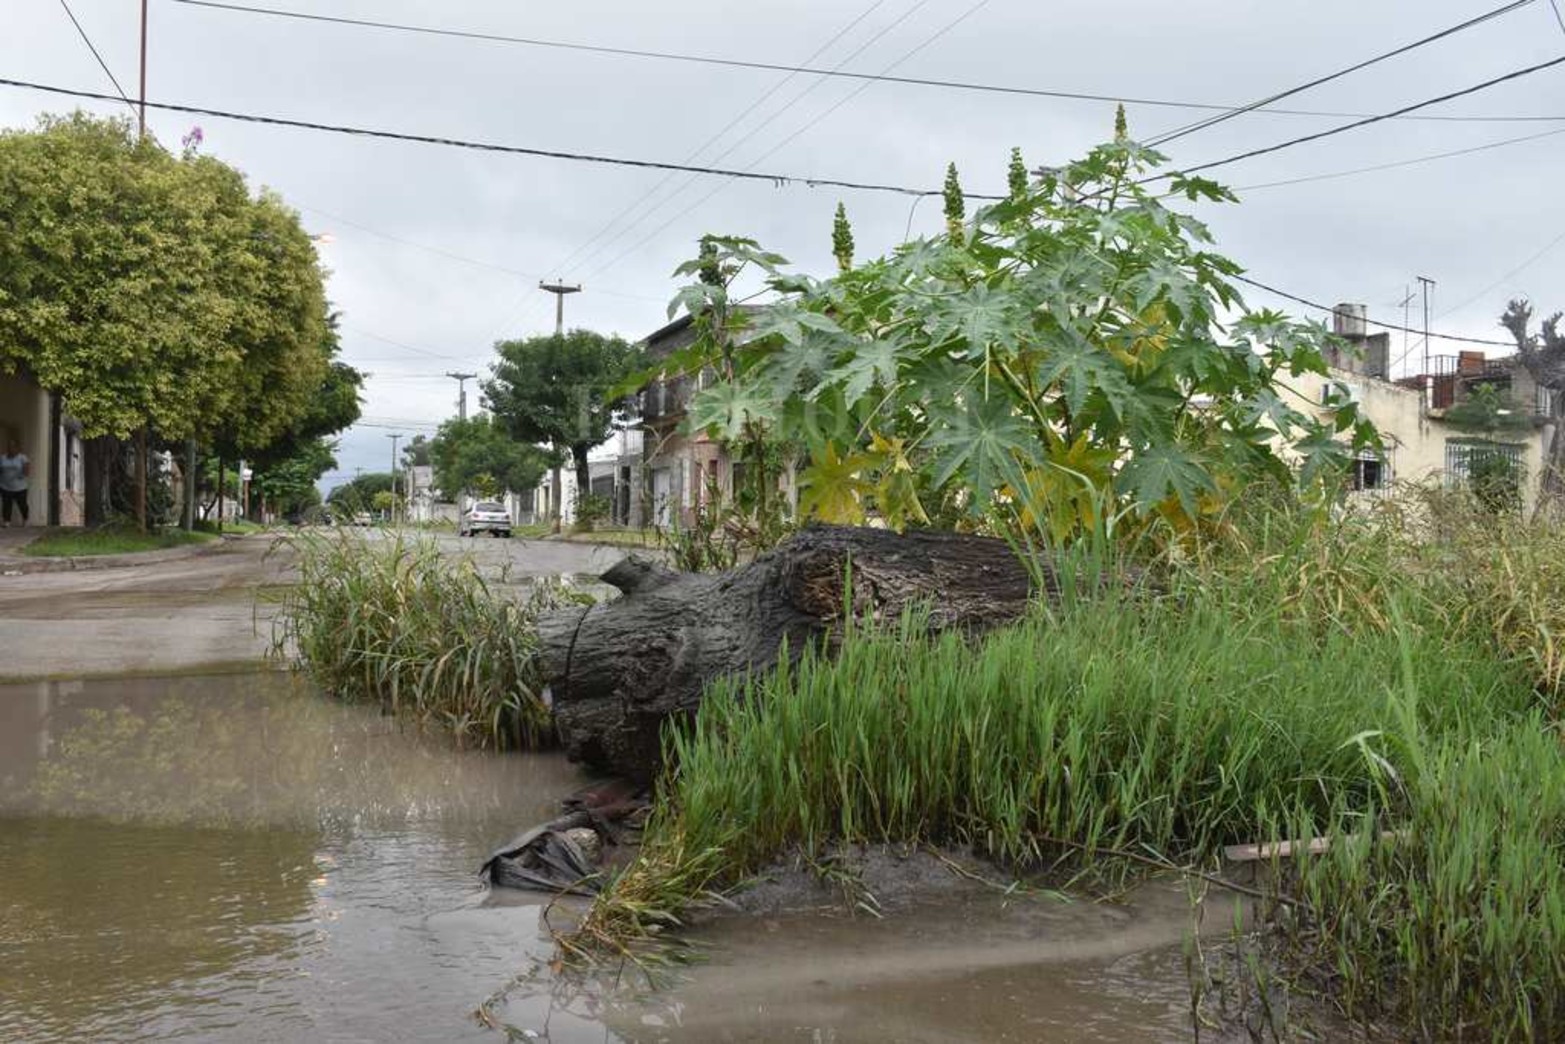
(21, 565)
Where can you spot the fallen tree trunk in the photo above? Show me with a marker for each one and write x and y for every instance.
(619, 670)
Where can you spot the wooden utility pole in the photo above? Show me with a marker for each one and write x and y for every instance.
(559, 290)
(394, 436)
(141, 438)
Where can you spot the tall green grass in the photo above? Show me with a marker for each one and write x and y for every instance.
(1374, 677)
(389, 619)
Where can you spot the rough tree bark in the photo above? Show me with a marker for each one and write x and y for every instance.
(620, 669)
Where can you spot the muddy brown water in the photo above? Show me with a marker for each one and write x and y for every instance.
(232, 858)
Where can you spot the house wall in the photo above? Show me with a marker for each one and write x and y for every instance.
(24, 414)
(1415, 441)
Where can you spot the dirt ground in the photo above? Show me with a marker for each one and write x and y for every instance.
(200, 613)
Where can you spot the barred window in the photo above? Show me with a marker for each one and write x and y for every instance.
(1464, 456)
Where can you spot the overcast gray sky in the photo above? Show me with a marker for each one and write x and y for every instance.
(437, 251)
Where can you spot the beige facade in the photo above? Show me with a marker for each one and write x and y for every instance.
(54, 449)
(1419, 445)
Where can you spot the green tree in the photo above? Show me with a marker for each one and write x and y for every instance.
(1079, 356)
(287, 485)
(478, 455)
(1494, 473)
(555, 390)
(149, 290)
(416, 453)
(359, 494)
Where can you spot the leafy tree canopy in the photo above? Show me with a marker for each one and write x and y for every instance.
(416, 453)
(479, 456)
(558, 390)
(153, 290)
(359, 494)
(1069, 355)
(287, 485)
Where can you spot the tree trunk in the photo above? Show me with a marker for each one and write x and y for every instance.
(583, 475)
(619, 670)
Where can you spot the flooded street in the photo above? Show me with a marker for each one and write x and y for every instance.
(233, 858)
(227, 858)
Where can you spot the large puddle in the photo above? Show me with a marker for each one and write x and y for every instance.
(231, 858)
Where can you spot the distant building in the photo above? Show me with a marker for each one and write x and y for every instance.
(1410, 412)
(51, 439)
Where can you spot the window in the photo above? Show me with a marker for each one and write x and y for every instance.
(1466, 457)
(1370, 471)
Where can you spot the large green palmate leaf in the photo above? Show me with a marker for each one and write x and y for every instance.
(984, 443)
(724, 408)
(1080, 368)
(870, 362)
(977, 318)
(1158, 472)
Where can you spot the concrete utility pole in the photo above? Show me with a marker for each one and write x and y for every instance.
(1425, 283)
(559, 290)
(394, 436)
(461, 395)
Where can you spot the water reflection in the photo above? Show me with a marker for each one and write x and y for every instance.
(229, 857)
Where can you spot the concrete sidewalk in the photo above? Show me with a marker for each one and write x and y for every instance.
(14, 563)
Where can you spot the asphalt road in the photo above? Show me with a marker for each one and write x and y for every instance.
(202, 613)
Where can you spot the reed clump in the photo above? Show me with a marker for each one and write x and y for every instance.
(1386, 678)
(389, 619)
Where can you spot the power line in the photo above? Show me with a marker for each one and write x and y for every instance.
(737, 63)
(575, 259)
(959, 19)
(754, 163)
(101, 63)
(405, 347)
(1388, 326)
(1398, 163)
(1557, 16)
(766, 96)
(1556, 241)
(777, 180)
(1475, 88)
(451, 255)
(1212, 121)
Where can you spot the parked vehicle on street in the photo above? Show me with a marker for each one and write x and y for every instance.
(486, 516)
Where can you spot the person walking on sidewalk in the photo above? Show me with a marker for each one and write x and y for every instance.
(14, 471)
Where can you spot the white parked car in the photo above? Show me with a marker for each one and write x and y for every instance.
(486, 516)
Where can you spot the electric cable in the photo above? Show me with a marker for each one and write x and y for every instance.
(1212, 121)
(1366, 121)
(630, 52)
(576, 258)
(101, 63)
(731, 124)
(1373, 322)
(966, 14)
(1397, 163)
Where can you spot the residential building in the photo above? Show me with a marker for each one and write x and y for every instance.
(52, 441)
(1410, 412)
(424, 503)
(682, 470)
